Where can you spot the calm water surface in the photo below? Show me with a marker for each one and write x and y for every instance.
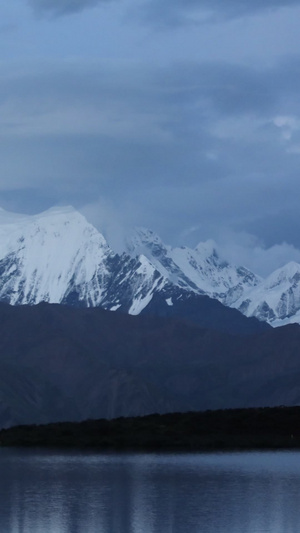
(43, 492)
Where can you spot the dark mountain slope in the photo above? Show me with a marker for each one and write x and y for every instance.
(203, 311)
(59, 362)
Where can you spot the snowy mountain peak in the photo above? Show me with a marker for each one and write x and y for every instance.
(276, 299)
(61, 217)
(40, 254)
(199, 270)
(143, 240)
(286, 273)
(58, 256)
(59, 210)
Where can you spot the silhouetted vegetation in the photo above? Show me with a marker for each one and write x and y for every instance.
(257, 428)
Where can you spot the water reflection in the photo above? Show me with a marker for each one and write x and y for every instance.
(44, 492)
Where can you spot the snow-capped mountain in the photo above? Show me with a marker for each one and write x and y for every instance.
(59, 257)
(276, 299)
(200, 270)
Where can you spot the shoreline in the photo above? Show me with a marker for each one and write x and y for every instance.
(265, 428)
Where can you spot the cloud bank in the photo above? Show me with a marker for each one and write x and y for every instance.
(170, 12)
(63, 7)
(205, 146)
(182, 12)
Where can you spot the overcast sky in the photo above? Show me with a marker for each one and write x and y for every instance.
(178, 115)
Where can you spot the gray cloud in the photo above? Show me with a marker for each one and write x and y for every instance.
(63, 7)
(194, 150)
(246, 249)
(189, 146)
(171, 12)
(181, 12)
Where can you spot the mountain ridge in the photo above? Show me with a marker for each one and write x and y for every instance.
(73, 363)
(57, 256)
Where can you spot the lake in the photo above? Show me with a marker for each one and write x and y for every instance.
(73, 492)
